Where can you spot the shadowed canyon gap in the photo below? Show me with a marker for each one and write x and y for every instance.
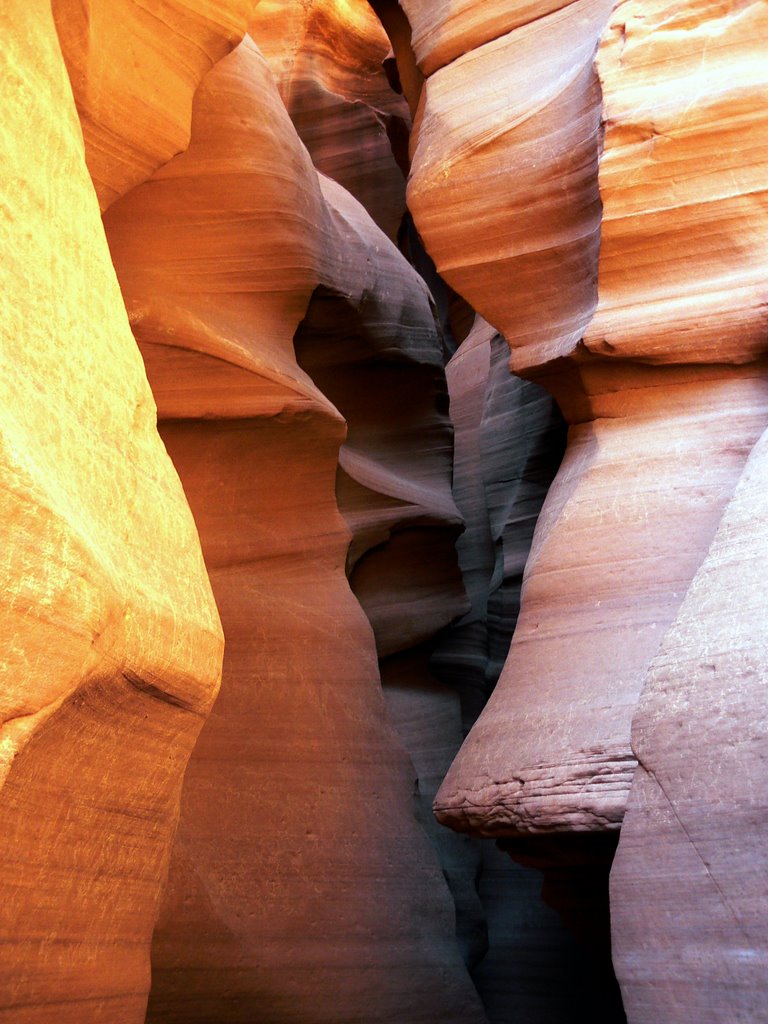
(492, 464)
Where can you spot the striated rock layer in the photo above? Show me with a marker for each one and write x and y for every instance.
(301, 886)
(111, 643)
(690, 939)
(134, 68)
(654, 451)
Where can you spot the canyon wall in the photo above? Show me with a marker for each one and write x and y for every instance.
(206, 256)
(112, 646)
(301, 885)
(593, 181)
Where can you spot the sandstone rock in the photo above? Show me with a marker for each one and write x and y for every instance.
(442, 32)
(688, 886)
(683, 181)
(328, 63)
(509, 440)
(111, 643)
(602, 584)
(287, 896)
(599, 595)
(134, 68)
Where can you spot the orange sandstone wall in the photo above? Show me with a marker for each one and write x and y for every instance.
(134, 68)
(112, 646)
(519, 115)
(328, 62)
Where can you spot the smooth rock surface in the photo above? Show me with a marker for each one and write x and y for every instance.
(111, 642)
(503, 185)
(605, 580)
(370, 342)
(509, 440)
(301, 886)
(602, 584)
(134, 68)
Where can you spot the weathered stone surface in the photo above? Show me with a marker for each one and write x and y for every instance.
(111, 642)
(688, 887)
(134, 68)
(301, 886)
(328, 62)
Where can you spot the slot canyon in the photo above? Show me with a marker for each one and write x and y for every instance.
(384, 458)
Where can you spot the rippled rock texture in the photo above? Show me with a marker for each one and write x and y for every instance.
(328, 62)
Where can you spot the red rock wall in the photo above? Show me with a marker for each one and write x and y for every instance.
(134, 69)
(301, 885)
(328, 62)
(688, 886)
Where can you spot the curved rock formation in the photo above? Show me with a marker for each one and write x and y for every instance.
(328, 62)
(111, 643)
(647, 444)
(287, 897)
(134, 68)
(503, 185)
(370, 342)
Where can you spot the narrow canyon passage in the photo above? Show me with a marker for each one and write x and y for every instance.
(383, 451)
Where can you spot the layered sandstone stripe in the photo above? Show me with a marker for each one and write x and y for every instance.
(301, 886)
(111, 642)
(654, 451)
(134, 68)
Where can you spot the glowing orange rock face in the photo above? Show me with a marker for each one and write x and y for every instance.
(111, 642)
(683, 182)
(134, 68)
(287, 896)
